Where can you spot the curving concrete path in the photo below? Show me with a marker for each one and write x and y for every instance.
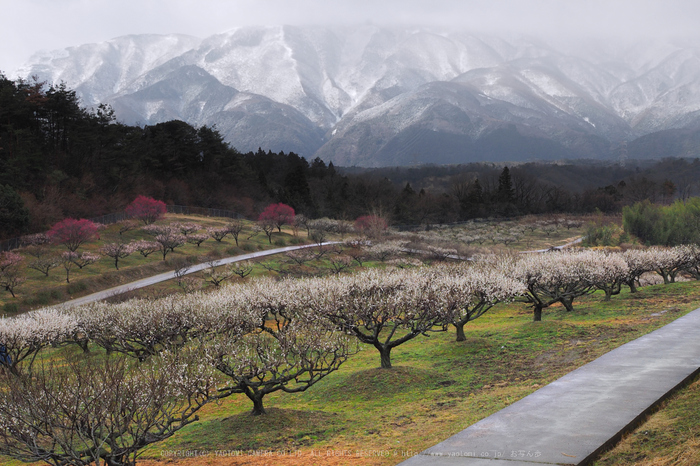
(171, 275)
(571, 420)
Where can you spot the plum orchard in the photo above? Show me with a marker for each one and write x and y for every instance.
(475, 290)
(101, 408)
(163, 359)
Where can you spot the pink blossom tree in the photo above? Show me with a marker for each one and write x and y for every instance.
(277, 214)
(72, 233)
(146, 209)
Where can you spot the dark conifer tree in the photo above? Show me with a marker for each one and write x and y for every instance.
(506, 193)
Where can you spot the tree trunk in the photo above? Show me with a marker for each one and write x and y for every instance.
(460, 331)
(385, 353)
(608, 294)
(632, 285)
(83, 343)
(257, 399)
(568, 304)
(537, 314)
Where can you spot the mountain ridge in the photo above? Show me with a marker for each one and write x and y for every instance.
(371, 96)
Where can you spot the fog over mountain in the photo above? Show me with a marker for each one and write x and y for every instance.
(373, 95)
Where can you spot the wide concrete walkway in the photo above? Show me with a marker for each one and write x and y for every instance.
(171, 275)
(571, 420)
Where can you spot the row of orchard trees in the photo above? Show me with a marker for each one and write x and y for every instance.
(561, 277)
(147, 366)
(180, 352)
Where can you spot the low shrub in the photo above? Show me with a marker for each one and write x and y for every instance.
(10, 308)
(77, 287)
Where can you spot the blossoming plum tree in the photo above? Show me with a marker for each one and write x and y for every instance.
(472, 291)
(278, 214)
(553, 277)
(290, 350)
(118, 251)
(22, 337)
(10, 274)
(100, 409)
(72, 233)
(386, 309)
(146, 209)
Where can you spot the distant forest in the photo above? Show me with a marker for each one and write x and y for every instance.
(58, 159)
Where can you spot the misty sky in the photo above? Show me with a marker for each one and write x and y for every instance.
(27, 26)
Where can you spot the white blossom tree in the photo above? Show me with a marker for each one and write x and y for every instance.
(146, 248)
(72, 259)
(386, 249)
(611, 272)
(10, 274)
(552, 277)
(639, 262)
(388, 308)
(117, 251)
(100, 409)
(23, 336)
(472, 291)
(218, 233)
(197, 238)
(142, 328)
(234, 228)
(692, 265)
(290, 350)
(669, 262)
(187, 228)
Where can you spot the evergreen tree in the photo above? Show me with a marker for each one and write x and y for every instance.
(506, 193)
(14, 216)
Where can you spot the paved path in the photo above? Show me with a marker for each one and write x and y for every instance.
(571, 420)
(171, 275)
(563, 246)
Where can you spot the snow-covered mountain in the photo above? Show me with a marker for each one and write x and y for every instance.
(372, 96)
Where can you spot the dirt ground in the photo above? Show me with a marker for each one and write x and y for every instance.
(263, 458)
